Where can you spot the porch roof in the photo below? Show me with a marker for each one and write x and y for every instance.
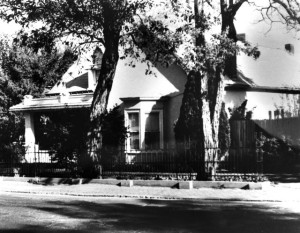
(74, 100)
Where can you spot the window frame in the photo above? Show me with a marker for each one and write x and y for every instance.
(142, 129)
(127, 112)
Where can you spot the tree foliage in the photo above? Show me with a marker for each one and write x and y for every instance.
(24, 72)
(88, 22)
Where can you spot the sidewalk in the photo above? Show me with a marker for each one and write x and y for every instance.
(270, 192)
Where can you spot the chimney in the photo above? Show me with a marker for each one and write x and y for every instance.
(95, 68)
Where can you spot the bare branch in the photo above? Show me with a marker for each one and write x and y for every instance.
(282, 11)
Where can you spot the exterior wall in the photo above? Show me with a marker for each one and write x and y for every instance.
(132, 82)
(172, 111)
(260, 103)
(167, 82)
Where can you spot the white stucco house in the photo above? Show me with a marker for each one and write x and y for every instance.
(151, 103)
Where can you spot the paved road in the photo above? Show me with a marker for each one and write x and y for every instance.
(50, 213)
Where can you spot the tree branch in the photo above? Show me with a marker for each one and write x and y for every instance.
(289, 9)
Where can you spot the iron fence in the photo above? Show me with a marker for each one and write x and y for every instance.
(183, 162)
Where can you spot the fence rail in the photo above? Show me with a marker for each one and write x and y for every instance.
(179, 163)
(185, 161)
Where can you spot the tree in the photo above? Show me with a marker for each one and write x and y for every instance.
(202, 113)
(282, 11)
(91, 22)
(24, 72)
(205, 59)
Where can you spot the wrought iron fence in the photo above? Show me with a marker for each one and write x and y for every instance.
(183, 162)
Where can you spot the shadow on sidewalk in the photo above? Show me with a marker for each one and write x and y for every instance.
(51, 181)
(160, 216)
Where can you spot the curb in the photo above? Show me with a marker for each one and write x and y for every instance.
(141, 183)
(149, 197)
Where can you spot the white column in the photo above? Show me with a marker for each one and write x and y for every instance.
(92, 79)
(29, 137)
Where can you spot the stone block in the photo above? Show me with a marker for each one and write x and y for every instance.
(126, 183)
(185, 185)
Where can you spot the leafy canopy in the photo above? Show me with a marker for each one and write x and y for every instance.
(23, 72)
(78, 23)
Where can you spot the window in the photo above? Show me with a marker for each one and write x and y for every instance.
(145, 130)
(134, 130)
(152, 131)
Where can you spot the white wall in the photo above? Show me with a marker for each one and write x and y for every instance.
(260, 103)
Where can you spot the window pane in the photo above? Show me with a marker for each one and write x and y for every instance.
(152, 122)
(134, 129)
(134, 121)
(152, 140)
(134, 140)
(152, 133)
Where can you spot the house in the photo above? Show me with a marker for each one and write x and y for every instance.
(274, 84)
(151, 103)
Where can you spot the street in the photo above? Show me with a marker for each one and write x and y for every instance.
(58, 213)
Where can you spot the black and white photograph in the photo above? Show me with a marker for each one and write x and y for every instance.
(150, 116)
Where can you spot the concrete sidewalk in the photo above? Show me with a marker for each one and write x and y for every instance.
(269, 192)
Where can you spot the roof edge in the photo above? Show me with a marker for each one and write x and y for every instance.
(162, 98)
(267, 89)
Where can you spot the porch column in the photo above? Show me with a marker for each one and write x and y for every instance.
(29, 137)
(92, 78)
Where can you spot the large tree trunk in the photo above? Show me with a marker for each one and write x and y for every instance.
(110, 59)
(198, 121)
(100, 100)
(201, 107)
(228, 12)
(211, 110)
(228, 27)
